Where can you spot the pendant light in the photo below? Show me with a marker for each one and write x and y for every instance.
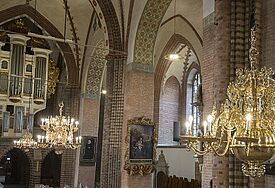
(175, 56)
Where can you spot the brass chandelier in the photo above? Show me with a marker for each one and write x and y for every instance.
(59, 132)
(26, 142)
(245, 122)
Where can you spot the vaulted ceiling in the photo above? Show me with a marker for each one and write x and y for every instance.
(83, 27)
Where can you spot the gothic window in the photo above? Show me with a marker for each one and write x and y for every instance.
(196, 103)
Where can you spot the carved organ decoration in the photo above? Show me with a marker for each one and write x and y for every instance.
(24, 79)
(53, 73)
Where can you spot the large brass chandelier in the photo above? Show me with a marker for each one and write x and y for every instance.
(59, 132)
(245, 122)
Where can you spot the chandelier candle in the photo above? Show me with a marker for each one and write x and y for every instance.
(204, 128)
(248, 120)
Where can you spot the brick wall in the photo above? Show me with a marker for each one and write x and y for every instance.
(89, 127)
(269, 181)
(207, 66)
(268, 52)
(257, 182)
(169, 109)
(139, 101)
(67, 168)
(268, 33)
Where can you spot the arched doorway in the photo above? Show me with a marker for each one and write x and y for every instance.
(51, 170)
(15, 169)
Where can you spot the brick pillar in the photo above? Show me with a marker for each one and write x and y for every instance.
(257, 182)
(139, 101)
(89, 127)
(207, 66)
(113, 122)
(221, 74)
(35, 167)
(216, 167)
(239, 57)
(35, 173)
(268, 33)
(67, 168)
(267, 53)
(269, 181)
(71, 99)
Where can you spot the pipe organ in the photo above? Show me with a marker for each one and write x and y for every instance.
(23, 84)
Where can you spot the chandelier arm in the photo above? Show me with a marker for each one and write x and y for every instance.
(228, 144)
(225, 149)
(222, 133)
(197, 151)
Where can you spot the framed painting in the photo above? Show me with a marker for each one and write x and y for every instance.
(141, 151)
(88, 151)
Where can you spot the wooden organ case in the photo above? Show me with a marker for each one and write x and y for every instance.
(24, 65)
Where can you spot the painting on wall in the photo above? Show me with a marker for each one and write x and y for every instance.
(141, 150)
(141, 142)
(88, 151)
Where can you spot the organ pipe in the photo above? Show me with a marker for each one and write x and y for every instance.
(23, 84)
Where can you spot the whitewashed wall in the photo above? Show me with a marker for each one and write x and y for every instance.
(181, 163)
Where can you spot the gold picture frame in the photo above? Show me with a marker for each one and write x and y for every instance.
(141, 140)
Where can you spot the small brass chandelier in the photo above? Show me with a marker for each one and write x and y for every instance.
(245, 122)
(59, 132)
(26, 142)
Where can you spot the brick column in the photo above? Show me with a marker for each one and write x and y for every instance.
(239, 49)
(257, 182)
(268, 33)
(35, 173)
(207, 66)
(89, 127)
(67, 168)
(221, 74)
(216, 167)
(268, 49)
(35, 167)
(113, 122)
(71, 99)
(139, 101)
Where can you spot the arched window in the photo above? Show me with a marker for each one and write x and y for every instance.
(196, 102)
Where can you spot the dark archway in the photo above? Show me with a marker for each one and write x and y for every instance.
(15, 169)
(51, 170)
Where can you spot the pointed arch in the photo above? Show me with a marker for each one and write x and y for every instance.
(162, 67)
(107, 15)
